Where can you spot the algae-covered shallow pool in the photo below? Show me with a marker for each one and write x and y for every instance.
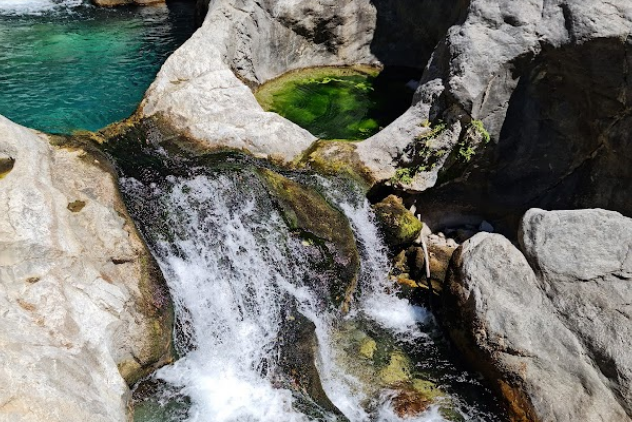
(66, 65)
(340, 103)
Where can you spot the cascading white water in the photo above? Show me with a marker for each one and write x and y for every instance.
(232, 267)
(36, 7)
(228, 271)
(385, 308)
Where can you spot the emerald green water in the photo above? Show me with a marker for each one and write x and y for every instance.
(335, 103)
(66, 66)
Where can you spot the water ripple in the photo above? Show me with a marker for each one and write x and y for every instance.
(66, 66)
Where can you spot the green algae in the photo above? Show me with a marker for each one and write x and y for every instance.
(338, 103)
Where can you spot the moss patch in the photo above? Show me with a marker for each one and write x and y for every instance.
(76, 206)
(336, 158)
(400, 226)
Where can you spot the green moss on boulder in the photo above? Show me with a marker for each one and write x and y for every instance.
(336, 158)
(399, 225)
(307, 212)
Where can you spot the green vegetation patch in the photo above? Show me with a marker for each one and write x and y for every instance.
(337, 103)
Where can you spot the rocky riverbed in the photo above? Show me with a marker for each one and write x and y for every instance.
(521, 107)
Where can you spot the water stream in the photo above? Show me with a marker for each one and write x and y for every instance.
(238, 276)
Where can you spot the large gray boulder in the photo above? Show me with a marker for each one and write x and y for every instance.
(550, 328)
(548, 80)
(83, 309)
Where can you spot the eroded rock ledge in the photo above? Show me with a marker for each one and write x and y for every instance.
(551, 325)
(84, 307)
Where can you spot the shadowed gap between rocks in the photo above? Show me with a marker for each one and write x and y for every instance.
(407, 31)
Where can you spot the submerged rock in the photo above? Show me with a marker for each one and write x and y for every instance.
(84, 305)
(384, 371)
(550, 328)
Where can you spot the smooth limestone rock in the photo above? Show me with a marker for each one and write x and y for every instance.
(203, 88)
(81, 300)
(550, 328)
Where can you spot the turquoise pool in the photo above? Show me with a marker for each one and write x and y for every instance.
(66, 65)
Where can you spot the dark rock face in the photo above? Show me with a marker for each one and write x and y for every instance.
(549, 80)
(550, 328)
(565, 141)
(568, 122)
(401, 40)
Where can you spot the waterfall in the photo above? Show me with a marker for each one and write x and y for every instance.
(237, 274)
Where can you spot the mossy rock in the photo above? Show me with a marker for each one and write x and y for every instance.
(321, 226)
(336, 158)
(399, 225)
(397, 370)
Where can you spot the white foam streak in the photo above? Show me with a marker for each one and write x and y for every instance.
(230, 282)
(36, 7)
(379, 300)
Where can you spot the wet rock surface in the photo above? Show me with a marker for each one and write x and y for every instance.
(323, 228)
(549, 326)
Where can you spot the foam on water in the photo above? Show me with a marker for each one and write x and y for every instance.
(36, 7)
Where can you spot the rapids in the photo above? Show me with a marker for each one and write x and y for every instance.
(237, 274)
